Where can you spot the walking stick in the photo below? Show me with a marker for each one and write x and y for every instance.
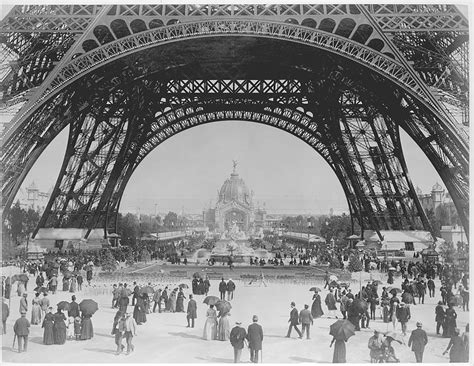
(261, 356)
(14, 339)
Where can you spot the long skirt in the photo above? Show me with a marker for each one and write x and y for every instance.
(180, 305)
(87, 330)
(223, 330)
(139, 316)
(48, 334)
(339, 355)
(73, 286)
(35, 314)
(210, 329)
(316, 310)
(59, 334)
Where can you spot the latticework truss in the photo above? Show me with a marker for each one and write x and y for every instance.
(124, 78)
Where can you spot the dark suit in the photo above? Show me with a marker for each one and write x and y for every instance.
(192, 312)
(306, 320)
(255, 338)
(293, 323)
(418, 340)
(73, 309)
(237, 337)
(440, 315)
(22, 329)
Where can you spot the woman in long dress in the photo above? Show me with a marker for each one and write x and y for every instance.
(223, 329)
(73, 286)
(36, 310)
(59, 328)
(316, 309)
(65, 284)
(339, 355)
(210, 327)
(139, 312)
(48, 324)
(87, 330)
(180, 302)
(173, 299)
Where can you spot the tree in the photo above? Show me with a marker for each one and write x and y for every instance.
(129, 229)
(447, 252)
(355, 265)
(171, 220)
(109, 263)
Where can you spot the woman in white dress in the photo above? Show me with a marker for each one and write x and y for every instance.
(223, 329)
(210, 328)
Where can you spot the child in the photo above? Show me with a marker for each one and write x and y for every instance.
(70, 328)
(77, 327)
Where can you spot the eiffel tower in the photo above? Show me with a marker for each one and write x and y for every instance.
(344, 79)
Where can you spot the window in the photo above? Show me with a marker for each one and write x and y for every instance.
(409, 246)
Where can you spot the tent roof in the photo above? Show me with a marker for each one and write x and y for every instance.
(400, 236)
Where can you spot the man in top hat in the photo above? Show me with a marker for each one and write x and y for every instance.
(294, 321)
(440, 315)
(22, 329)
(255, 338)
(192, 311)
(222, 288)
(237, 338)
(230, 289)
(417, 342)
(73, 308)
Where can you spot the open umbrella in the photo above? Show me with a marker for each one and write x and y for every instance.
(342, 329)
(146, 290)
(333, 284)
(41, 289)
(223, 306)
(23, 277)
(211, 300)
(63, 305)
(360, 305)
(394, 336)
(183, 285)
(394, 290)
(333, 277)
(88, 306)
(315, 289)
(407, 298)
(344, 284)
(392, 269)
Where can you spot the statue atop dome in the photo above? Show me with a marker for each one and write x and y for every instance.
(234, 163)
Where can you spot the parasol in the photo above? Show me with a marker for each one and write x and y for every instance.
(394, 336)
(211, 300)
(63, 305)
(394, 290)
(41, 289)
(146, 290)
(333, 284)
(342, 329)
(407, 298)
(20, 277)
(88, 306)
(344, 284)
(315, 289)
(333, 277)
(360, 305)
(223, 306)
(392, 269)
(183, 285)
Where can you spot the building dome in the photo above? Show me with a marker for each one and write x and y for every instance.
(437, 188)
(235, 189)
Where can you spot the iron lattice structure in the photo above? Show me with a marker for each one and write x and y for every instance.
(342, 78)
